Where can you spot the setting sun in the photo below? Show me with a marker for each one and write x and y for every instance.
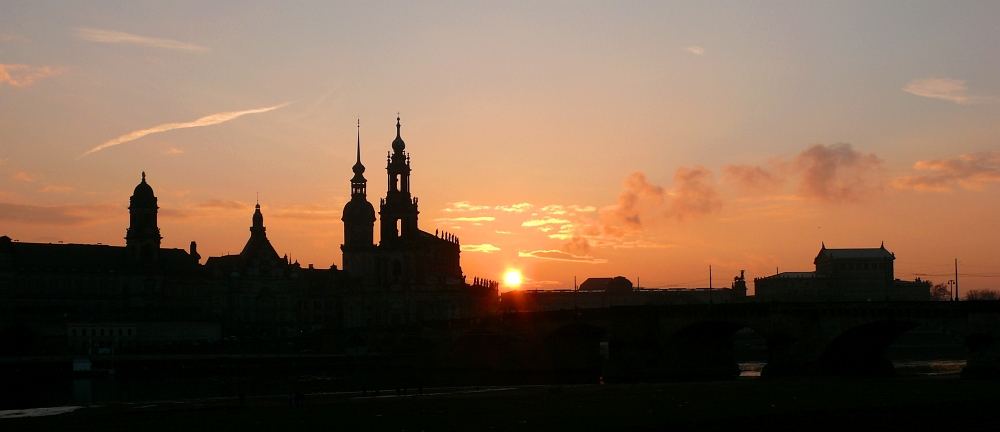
(512, 278)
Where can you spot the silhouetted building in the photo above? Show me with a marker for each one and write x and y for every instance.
(258, 289)
(618, 291)
(44, 287)
(864, 274)
(411, 275)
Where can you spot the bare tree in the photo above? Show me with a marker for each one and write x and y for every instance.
(982, 295)
(940, 292)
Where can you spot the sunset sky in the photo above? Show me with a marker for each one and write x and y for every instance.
(647, 139)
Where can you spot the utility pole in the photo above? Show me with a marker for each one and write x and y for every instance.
(709, 277)
(956, 280)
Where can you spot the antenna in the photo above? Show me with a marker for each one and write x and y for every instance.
(956, 280)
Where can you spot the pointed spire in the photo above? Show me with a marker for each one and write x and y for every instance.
(397, 144)
(359, 141)
(883, 244)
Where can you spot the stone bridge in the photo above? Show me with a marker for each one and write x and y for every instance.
(690, 341)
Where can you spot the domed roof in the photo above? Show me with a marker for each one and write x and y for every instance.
(143, 190)
(359, 210)
(397, 144)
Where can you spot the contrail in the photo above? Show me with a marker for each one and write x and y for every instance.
(204, 121)
(111, 36)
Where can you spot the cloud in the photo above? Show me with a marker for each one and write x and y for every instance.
(117, 37)
(837, 173)
(19, 75)
(484, 248)
(577, 246)
(309, 213)
(751, 178)
(173, 151)
(22, 176)
(970, 171)
(943, 88)
(557, 255)
(217, 203)
(541, 222)
(468, 219)
(585, 209)
(694, 49)
(6, 37)
(693, 193)
(57, 189)
(464, 206)
(503, 232)
(65, 215)
(209, 120)
(639, 195)
(516, 208)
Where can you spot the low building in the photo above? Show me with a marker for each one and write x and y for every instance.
(618, 291)
(861, 274)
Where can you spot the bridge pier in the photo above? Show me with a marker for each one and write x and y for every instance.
(983, 342)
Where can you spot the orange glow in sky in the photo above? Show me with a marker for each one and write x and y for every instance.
(649, 141)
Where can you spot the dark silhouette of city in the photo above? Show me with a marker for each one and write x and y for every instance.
(401, 317)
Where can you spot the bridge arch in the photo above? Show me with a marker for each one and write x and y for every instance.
(861, 350)
(574, 352)
(702, 350)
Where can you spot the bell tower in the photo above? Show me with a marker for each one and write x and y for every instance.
(359, 220)
(398, 210)
(142, 239)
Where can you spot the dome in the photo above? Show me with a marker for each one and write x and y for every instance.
(358, 168)
(397, 144)
(143, 190)
(359, 211)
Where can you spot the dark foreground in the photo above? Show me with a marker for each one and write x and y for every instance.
(922, 403)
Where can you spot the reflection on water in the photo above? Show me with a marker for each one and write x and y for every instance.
(68, 390)
(903, 368)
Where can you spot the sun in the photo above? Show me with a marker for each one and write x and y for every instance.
(512, 278)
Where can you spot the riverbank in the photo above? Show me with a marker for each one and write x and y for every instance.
(944, 402)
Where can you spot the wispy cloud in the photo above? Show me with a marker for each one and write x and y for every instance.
(208, 120)
(468, 219)
(173, 151)
(117, 37)
(464, 206)
(944, 88)
(970, 171)
(309, 213)
(20, 75)
(694, 49)
(516, 208)
(57, 189)
(217, 203)
(484, 248)
(67, 215)
(23, 177)
(541, 222)
(557, 255)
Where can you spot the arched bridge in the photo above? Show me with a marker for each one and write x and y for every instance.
(692, 341)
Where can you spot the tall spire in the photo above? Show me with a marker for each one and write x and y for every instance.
(397, 144)
(358, 182)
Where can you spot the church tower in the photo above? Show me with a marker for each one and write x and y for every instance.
(359, 220)
(398, 210)
(142, 239)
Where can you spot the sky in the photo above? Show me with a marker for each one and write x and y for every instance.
(562, 139)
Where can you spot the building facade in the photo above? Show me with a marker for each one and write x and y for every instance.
(410, 275)
(87, 297)
(864, 274)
